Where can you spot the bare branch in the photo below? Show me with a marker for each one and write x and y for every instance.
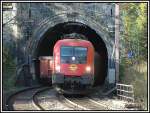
(13, 18)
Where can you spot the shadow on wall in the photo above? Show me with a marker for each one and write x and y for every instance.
(99, 72)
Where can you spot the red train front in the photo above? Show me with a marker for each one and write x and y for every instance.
(73, 64)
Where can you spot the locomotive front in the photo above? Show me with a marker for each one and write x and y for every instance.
(73, 65)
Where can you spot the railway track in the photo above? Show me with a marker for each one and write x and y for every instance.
(55, 101)
(52, 100)
(46, 98)
(86, 103)
(25, 99)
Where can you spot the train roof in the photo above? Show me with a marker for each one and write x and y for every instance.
(69, 39)
(73, 42)
(45, 57)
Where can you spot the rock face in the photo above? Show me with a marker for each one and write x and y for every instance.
(39, 25)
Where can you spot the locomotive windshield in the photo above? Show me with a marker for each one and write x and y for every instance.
(76, 55)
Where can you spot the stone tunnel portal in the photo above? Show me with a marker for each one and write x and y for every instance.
(52, 35)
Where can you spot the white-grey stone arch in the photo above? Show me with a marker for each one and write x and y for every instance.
(48, 23)
(61, 18)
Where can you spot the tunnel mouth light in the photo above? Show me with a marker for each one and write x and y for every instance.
(88, 69)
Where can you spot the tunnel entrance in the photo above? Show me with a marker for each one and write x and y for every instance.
(52, 35)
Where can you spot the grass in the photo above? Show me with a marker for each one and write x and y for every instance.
(136, 75)
(9, 77)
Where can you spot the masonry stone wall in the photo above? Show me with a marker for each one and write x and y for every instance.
(31, 17)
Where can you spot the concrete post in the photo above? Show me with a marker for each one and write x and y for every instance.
(117, 40)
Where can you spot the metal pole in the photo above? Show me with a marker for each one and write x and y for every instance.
(117, 40)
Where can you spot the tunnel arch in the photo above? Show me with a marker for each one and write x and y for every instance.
(41, 40)
(48, 23)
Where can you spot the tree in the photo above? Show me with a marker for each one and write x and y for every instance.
(134, 16)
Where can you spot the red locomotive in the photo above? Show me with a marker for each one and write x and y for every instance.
(73, 65)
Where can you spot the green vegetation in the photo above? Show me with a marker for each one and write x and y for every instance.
(9, 69)
(134, 38)
(137, 76)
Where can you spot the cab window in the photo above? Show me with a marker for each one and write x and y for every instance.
(70, 54)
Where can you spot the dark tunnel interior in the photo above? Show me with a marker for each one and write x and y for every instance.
(47, 42)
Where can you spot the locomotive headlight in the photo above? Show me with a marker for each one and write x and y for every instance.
(57, 68)
(88, 69)
(73, 58)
